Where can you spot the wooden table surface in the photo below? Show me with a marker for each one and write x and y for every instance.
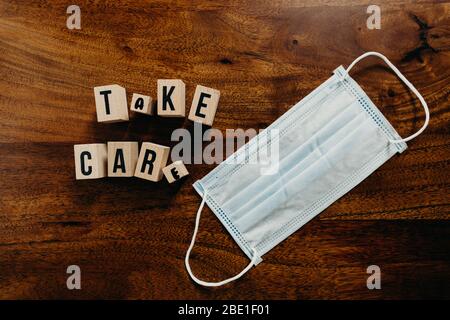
(129, 236)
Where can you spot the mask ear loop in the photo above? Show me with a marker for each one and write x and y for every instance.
(188, 253)
(408, 84)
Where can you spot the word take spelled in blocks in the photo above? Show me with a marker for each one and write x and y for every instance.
(90, 160)
(175, 171)
(171, 98)
(122, 158)
(111, 103)
(204, 105)
(152, 158)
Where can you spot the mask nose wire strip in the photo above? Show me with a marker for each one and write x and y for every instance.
(408, 84)
(188, 253)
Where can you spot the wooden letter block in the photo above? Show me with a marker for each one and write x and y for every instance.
(152, 158)
(111, 103)
(90, 160)
(175, 171)
(204, 105)
(171, 98)
(122, 158)
(141, 104)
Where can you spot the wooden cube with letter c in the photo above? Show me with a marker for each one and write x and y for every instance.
(175, 171)
(204, 105)
(111, 103)
(152, 158)
(122, 158)
(90, 160)
(171, 98)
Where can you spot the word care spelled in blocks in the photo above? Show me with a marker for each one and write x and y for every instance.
(90, 160)
(175, 171)
(171, 99)
(122, 158)
(111, 103)
(152, 159)
(204, 105)
(142, 104)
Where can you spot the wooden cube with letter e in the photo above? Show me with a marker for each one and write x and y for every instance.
(122, 158)
(90, 161)
(111, 103)
(171, 98)
(175, 171)
(204, 105)
(152, 158)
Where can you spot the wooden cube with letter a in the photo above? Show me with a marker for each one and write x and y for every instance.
(171, 98)
(122, 158)
(141, 103)
(152, 159)
(175, 171)
(90, 160)
(111, 103)
(204, 105)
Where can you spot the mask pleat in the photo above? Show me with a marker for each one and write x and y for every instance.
(223, 188)
(320, 176)
(307, 135)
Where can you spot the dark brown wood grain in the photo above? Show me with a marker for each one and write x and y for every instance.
(129, 236)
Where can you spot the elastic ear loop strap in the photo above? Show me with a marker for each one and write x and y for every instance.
(188, 253)
(408, 84)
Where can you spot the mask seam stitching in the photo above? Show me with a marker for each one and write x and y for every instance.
(217, 209)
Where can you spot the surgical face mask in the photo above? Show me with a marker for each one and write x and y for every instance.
(328, 143)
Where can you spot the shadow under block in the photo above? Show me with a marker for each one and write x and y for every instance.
(171, 101)
(142, 104)
(111, 103)
(204, 105)
(90, 160)
(175, 171)
(152, 158)
(122, 158)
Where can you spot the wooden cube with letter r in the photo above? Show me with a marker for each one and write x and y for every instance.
(111, 103)
(90, 160)
(122, 158)
(152, 158)
(171, 101)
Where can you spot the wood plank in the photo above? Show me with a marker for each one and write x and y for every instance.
(128, 235)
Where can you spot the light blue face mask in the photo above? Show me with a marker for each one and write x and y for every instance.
(329, 142)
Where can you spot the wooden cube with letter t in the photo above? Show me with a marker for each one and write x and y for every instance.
(90, 160)
(175, 171)
(122, 158)
(171, 98)
(152, 158)
(204, 105)
(111, 103)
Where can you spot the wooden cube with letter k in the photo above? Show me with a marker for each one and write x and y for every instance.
(171, 100)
